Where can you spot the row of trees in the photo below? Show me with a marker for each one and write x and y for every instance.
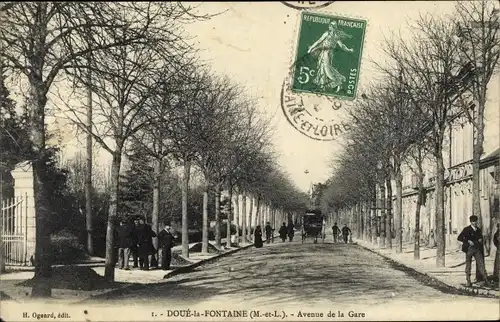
(128, 77)
(438, 73)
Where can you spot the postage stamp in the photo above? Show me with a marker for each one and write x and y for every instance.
(328, 55)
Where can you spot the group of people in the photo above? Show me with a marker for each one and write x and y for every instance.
(345, 232)
(137, 239)
(287, 231)
(257, 235)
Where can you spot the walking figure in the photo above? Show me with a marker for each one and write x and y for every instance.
(345, 233)
(290, 231)
(258, 237)
(125, 243)
(472, 245)
(336, 232)
(165, 243)
(145, 244)
(283, 232)
(269, 232)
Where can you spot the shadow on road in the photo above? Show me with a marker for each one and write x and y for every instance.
(291, 272)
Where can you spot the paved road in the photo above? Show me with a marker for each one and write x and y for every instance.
(308, 277)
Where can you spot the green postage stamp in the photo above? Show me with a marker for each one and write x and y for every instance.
(328, 55)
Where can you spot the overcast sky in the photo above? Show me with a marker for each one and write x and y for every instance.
(254, 42)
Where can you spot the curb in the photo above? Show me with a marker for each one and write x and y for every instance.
(177, 271)
(462, 290)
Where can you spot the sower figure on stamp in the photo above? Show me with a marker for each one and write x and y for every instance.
(472, 245)
(327, 76)
(165, 243)
(336, 232)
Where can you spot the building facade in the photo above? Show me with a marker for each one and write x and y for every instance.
(457, 152)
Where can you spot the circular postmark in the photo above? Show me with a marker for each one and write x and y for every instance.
(301, 5)
(318, 117)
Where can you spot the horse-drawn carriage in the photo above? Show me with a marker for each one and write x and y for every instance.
(313, 225)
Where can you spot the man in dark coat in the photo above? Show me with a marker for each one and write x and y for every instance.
(336, 232)
(345, 233)
(283, 232)
(125, 243)
(473, 246)
(269, 232)
(145, 244)
(165, 243)
(135, 249)
(290, 230)
(257, 239)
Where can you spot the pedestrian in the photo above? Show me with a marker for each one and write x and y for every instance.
(135, 249)
(258, 237)
(145, 244)
(336, 232)
(345, 233)
(125, 243)
(290, 231)
(283, 232)
(165, 243)
(269, 232)
(473, 246)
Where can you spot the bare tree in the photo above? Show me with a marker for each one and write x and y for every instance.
(221, 118)
(478, 27)
(429, 64)
(40, 41)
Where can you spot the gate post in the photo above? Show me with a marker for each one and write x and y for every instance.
(24, 189)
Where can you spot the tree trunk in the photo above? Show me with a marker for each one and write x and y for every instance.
(398, 218)
(440, 220)
(373, 215)
(156, 198)
(88, 173)
(185, 223)
(250, 216)
(43, 268)
(420, 197)
(244, 218)
(476, 156)
(237, 217)
(109, 269)
(388, 223)
(229, 217)
(257, 212)
(383, 217)
(217, 216)
(204, 230)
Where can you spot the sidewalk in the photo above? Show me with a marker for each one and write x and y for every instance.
(453, 274)
(124, 279)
